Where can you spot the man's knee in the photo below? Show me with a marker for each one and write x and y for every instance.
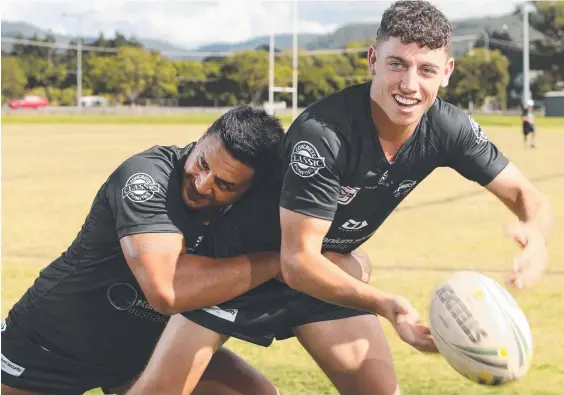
(16, 391)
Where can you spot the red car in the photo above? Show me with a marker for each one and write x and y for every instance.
(34, 102)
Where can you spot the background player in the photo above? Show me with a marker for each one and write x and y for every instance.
(528, 117)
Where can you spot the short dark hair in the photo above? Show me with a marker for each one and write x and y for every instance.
(251, 136)
(416, 21)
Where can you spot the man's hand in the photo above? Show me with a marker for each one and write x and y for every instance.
(407, 323)
(530, 263)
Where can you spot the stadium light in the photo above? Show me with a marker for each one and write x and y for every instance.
(78, 17)
(527, 8)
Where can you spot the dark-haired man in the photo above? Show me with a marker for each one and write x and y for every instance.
(93, 316)
(349, 160)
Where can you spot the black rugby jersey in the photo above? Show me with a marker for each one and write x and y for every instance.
(87, 303)
(335, 167)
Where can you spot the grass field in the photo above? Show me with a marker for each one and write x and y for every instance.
(52, 171)
(187, 119)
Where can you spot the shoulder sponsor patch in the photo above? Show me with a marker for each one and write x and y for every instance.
(305, 160)
(140, 187)
(13, 369)
(478, 131)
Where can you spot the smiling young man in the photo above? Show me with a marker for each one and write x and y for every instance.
(349, 161)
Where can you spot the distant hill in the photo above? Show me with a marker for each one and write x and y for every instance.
(363, 32)
(11, 29)
(366, 32)
(281, 41)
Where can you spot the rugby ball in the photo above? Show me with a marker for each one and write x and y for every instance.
(480, 330)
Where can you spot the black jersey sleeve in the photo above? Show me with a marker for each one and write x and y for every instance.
(473, 155)
(314, 158)
(137, 193)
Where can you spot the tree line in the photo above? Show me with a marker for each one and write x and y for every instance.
(134, 74)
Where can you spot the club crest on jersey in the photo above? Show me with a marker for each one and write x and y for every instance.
(478, 131)
(305, 160)
(140, 187)
(404, 188)
(347, 194)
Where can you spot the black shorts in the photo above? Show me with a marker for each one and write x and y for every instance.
(268, 312)
(528, 128)
(29, 366)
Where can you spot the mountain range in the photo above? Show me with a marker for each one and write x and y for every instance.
(363, 32)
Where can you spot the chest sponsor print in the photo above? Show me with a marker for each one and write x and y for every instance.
(404, 188)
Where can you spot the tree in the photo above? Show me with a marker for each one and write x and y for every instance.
(478, 75)
(164, 82)
(549, 20)
(14, 80)
(247, 73)
(134, 71)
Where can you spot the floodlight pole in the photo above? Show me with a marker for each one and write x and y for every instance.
(271, 68)
(526, 79)
(78, 17)
(295, 62)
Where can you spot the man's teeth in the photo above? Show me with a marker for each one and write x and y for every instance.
(406, 101)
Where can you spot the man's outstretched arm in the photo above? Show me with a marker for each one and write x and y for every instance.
(534, 228)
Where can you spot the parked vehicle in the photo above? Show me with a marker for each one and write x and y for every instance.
(29, 101)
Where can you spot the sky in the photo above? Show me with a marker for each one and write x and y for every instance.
(191, 23)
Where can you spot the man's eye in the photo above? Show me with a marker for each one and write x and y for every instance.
(225, 187)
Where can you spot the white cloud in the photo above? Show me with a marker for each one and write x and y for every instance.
(189, 23)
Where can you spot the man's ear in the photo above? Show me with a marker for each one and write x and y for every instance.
(372, 59)
(449, 68)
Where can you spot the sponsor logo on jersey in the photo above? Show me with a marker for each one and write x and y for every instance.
(351, 224)
(382, 182)
(305, 160)
(195, 245)
(140, 187)
(226, 314)
(13, 369)
(340, 244)
(124, 297)
(478, 131)
(404, 188)
(347, 194)
(3, 326)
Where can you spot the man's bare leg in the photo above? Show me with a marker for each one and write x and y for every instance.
(182, 363)
(15, 391)
(353, 352)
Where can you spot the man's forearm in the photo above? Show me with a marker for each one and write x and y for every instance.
(202, 282)
(534, 209)
(315, 275)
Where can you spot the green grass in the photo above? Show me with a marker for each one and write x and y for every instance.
(79, 119)
(190, 119)
(51, 173)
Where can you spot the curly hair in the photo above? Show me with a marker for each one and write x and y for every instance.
(416, 21)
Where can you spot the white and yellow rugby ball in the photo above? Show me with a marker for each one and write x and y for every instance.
(480, 330)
